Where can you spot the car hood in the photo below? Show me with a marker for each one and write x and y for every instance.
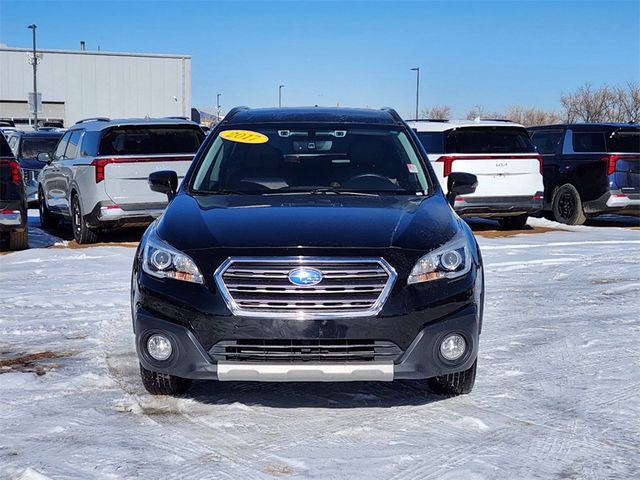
(323, 221)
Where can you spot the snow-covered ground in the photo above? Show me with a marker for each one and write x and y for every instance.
(557, 394)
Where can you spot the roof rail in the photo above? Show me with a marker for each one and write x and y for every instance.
(496, 120)
(439, 120)
(93, 119)
(393, 114)
(231, 113)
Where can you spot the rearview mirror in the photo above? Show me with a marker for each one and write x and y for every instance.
(44, 157)
(460, 183)
(164, 181)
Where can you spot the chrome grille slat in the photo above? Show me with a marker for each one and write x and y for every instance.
(292, 351)
(303, 292)
(349, 287)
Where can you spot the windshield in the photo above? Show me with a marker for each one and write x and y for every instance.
(311, 158)
(151, 140)
(32, 146)
(624, 141)
(489, 140)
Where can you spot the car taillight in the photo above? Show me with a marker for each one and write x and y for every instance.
(14, 167)
(541, 162)
(100, 163)
(611, 162)
(447, 161)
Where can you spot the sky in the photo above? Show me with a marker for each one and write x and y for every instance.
(357, 53)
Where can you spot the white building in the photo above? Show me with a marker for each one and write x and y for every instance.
(81, 84)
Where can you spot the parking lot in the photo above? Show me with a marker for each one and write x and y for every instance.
(556, 394)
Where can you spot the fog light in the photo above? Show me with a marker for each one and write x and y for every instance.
(453, 347)
(159, 347)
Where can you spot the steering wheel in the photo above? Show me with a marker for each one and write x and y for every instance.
(370, 181)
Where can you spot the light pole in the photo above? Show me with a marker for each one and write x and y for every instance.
(280, 95)
(34, 61)
(417, 70)
(218, 107)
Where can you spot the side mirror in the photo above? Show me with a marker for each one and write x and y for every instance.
(44, 157)
(460, 183)
(164, 181)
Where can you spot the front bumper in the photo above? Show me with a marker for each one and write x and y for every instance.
(614, 201)
(419, 357)
(498, 206)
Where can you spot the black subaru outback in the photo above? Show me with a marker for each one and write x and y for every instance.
(308, 244)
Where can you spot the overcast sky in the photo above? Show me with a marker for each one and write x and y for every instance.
(357, 53)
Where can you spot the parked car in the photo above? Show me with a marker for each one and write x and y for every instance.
(26, 146)
(13, 201)
(308, 244)
(7, 126)
(97, 176)
(499, 153)
(589, 169)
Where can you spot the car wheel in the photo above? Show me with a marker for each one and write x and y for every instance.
(47, 220)
(81, 232)
(157, 383)
(454, 383)
(513, 223)
(18, 239)
(567, 206)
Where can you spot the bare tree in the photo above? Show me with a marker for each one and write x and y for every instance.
(529, 116)
(627, 103)
(589, 105)
(480, 112)
(437, 112)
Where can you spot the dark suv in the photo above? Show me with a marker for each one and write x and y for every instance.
(13, 201)
(26, 146)
(589, 169)
(308, 244)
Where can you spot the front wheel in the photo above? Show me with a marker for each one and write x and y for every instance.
(567, 205)
(47, 220)
(457, 383)
(157, 383)
(514, 223)
(81, 232)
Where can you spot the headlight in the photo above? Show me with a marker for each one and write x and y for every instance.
(451, 260)
(163, 261)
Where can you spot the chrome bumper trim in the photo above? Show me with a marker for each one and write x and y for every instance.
(307, 372)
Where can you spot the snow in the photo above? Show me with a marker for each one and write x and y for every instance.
(557, 393)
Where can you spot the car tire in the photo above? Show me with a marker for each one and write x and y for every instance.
(157, 383)
(567, 206)
(457, 383)
(514, 223)
(81, 232)
(47, 220)
(18, 239)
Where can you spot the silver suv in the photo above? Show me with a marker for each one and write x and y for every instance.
(97, 176)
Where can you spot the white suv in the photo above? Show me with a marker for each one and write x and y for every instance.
(97, 177)
(502, 156)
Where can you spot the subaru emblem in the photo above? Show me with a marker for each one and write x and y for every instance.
(305, 277)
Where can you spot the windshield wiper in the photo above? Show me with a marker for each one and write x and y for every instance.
(320, 191)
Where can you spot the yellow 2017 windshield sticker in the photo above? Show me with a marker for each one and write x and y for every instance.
(244, 136)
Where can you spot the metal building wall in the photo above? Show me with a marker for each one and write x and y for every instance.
(94, 84)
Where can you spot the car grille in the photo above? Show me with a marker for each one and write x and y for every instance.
(261, 287)
(292, 351)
